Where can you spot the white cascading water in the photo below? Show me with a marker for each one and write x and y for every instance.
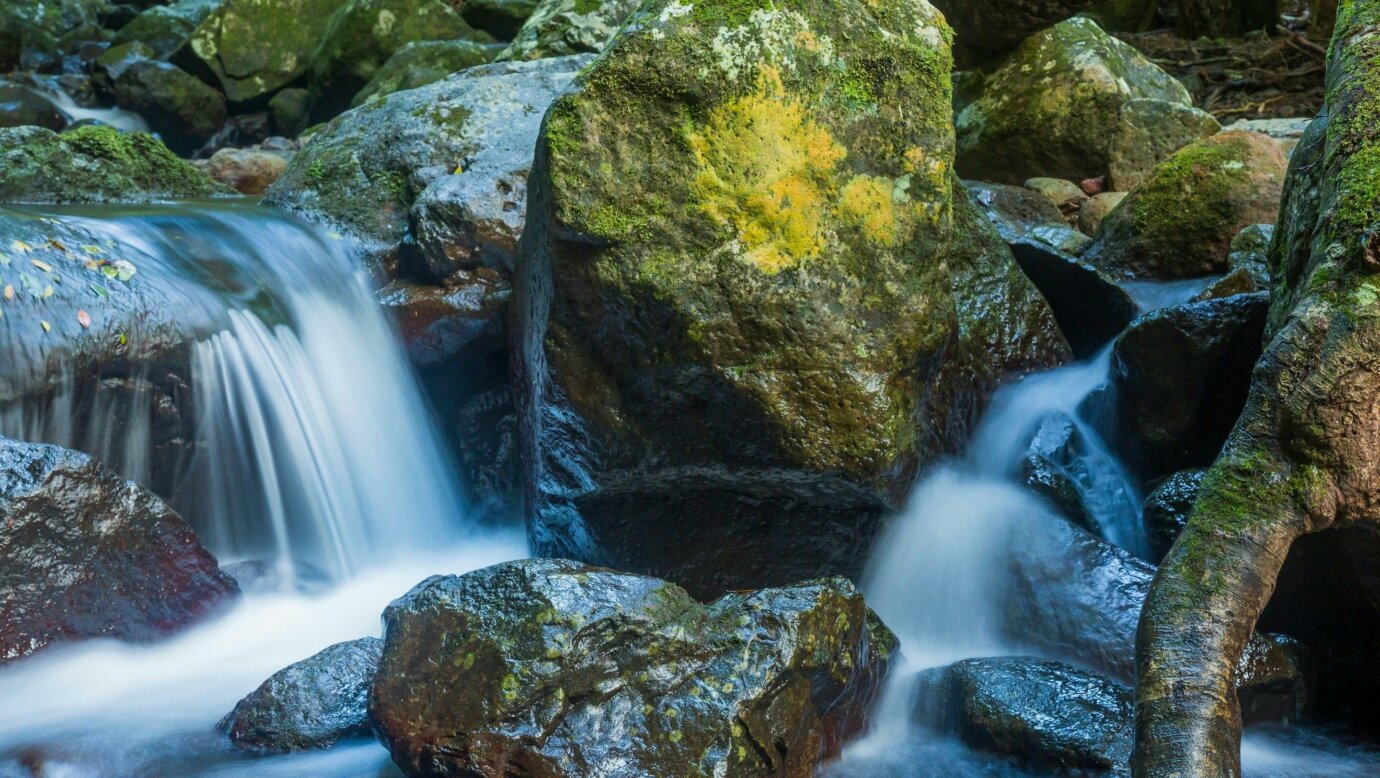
(317, 452)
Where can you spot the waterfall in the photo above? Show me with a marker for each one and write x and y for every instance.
(314, 450)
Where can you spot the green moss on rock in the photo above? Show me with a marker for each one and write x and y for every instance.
(1051, 107)
(1180, 221)
(253, 48)
(562, 27)
(94, 164)
(424, 62)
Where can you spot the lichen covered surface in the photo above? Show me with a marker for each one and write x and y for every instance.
(741, 253)
(551, 668)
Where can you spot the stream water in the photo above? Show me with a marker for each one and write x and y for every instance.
(316, 452)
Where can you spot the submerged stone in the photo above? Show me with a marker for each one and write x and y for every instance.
(86, 554)
(1052, 107)
(311, 704)
(751, 306)
(552, 668)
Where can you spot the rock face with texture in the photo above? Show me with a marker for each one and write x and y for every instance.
(1016, 212)
(750, 303)
(1181, 376)
(93, 164)
(1179, 222)
(254, 48)
(1091, 308)
(21, 106)
(38, 32)
(361, 36)
(180, 107)
(1052, 107)
(990, 27)
(1167, 509)
(246, 171)
(424, 62)
(551, 668)
(311, 704)
(166, 29)
(558, 28)
(85, 554)
(1147, 133)
(1044, 714)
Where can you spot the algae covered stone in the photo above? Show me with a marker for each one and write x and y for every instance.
(424, 62)
(1148, 132)
(552, 668)
(364, 170)
(749, 290)
(253, 48)
(362, 34)
(166, 29)
(1180, 221)
(94, 164)
(1051, 108)
(561, 27)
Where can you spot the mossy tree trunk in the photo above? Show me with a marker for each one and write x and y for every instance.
(1226, 18)
(1303, 456)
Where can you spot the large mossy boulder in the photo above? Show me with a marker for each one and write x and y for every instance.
(313, 703)
(987, 28)
(38, 32)
(86, 554)
(552, 668)
(1043, 714)
(360, 37)
(558, 28)
(753, 300)
(1180, 221)
(424, 62)
(1052, 107)
(1149, 132)
(166, 29)
(94, 164)
(253, 48)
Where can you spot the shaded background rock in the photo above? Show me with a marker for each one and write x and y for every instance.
(1180, 221)
(1090, 308)
(558, 28)
(552, 668)
(424, 62)
(1147, 133)
(1167, 508)
(1052, 107)
(85, 554)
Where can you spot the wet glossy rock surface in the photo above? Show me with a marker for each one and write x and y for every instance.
(311, 704)
(552, 668)
(85, 554)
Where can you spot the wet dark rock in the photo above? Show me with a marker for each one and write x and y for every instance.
(113, 61)
(85, 554)
(290, 111)
(21, 107)
(1181, 375)
(312, 704)
(1278, 681)
(1053, 467)
(1014, 210)
(34, 34)
(463, 315)
(552, 668)
(184, 111)
(1090, 308)
(1044, 714)
(487, 422)
(1167, 509)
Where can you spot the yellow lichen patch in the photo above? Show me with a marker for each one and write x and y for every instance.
(867, 202)
(767, 170)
